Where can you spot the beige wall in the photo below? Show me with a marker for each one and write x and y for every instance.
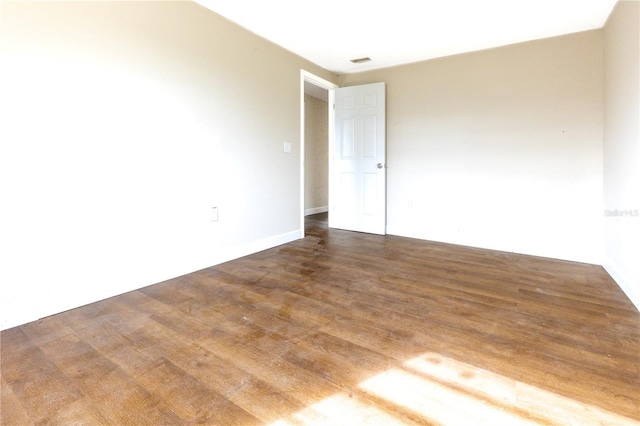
(500, 148)
(316, 154)
(622, 147)
(123, 123)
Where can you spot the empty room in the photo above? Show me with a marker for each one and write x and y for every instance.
(340, 213)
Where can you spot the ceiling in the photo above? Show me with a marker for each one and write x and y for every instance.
(332, 32)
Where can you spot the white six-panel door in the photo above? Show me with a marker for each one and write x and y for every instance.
(357, 163)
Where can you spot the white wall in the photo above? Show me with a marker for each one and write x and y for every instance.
(622, 147)
(316, 154)
(499, 149)
(121, 125)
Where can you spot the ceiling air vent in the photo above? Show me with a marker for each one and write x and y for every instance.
(360, 60)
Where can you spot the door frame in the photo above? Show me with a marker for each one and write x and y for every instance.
(327, 85)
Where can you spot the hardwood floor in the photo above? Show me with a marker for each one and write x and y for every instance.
(339, 328)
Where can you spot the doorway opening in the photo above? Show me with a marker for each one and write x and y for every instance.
(316, 135)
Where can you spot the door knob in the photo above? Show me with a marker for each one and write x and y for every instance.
(380, 165)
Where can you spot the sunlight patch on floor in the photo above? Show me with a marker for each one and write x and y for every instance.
(437, 402)
(453, 392)
(341, 409)
(444, 391)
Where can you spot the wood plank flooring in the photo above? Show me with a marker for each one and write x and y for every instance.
(339, 328)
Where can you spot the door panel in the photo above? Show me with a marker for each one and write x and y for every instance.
(347, 146)
(357, 169)
(369, 142)
(370, 193)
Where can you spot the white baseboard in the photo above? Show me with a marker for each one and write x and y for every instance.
(241, 250)
(623, 280)
(623, 283)
(18, 316)
(316, 210)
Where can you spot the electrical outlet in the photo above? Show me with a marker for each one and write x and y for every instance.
(214, 214)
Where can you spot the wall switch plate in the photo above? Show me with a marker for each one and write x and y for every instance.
(287, 147)
(214, 214)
